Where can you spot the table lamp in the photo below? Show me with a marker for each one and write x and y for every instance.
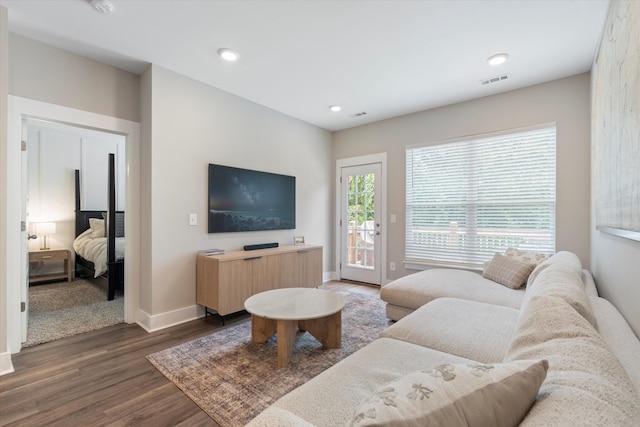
(45, 229)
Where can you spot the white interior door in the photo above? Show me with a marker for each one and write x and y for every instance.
(361, 223)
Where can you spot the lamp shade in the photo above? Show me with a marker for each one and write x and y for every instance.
(45, 228)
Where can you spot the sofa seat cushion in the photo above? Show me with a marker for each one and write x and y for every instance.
(451, 395)
(468, 329)
(397, 312)
(330, 398)
(275, 416)
(415, 290)
(616, 332)
(585, 384)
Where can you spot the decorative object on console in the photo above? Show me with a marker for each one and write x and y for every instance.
(44, 229)
(249, 200)
(298, 240)
(211, 252)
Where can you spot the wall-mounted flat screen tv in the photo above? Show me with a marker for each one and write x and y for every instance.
(249, 200)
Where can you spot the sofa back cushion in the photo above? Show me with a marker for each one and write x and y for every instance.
(566, 258)
(585, 384)
(616, 332)
(565, 282)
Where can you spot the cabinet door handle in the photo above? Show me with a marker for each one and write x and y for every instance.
(252, 258)
(303, 251)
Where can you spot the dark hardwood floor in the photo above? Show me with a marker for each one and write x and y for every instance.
(102, 378)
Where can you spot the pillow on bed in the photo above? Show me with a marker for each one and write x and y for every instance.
(119, 223)
(97, 227)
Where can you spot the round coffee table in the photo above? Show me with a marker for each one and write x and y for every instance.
(284, 311)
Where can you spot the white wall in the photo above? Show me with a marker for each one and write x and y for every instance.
(564, 101)
(192, 125)
(45, 73)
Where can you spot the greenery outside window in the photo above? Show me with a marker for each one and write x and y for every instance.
(467, 199)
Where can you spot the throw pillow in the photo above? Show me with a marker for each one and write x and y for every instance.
(528, 257)
(97, 228)
(456, 395)
(507, 271)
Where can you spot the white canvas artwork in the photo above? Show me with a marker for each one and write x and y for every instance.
(616, 123)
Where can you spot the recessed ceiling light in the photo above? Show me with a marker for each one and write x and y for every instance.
(335, 108)
(498, 59)
(102, 6)
(228, 54)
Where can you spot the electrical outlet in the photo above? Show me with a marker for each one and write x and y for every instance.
(392, 219)
(392, 266)
(193, 219)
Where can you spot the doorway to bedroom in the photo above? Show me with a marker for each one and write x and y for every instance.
(62, 300)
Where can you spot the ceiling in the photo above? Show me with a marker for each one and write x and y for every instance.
(382, 57)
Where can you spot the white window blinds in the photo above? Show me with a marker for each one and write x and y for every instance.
(468, 199)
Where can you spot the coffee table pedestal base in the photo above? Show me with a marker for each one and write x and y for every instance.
(327, 330)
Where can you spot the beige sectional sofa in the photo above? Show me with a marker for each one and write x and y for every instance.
(456, 319)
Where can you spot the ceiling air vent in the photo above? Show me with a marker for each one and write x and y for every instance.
(363, 113)
(495, 79)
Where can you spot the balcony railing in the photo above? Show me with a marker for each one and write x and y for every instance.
(482, 242)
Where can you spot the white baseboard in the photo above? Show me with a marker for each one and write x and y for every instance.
(6, 367)
(165, 320)
(329, 275)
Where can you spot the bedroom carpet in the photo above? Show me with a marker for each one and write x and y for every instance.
(62, 309)
(233, 379)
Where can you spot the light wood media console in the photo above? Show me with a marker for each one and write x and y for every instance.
(225, 281)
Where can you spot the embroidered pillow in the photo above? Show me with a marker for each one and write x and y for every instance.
(456, 395)
(507, 271)
(528, 257)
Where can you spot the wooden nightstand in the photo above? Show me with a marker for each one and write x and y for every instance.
(51, 255)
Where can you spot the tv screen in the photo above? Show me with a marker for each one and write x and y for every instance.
(249, 200)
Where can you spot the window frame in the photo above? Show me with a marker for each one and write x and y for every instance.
(475, 256)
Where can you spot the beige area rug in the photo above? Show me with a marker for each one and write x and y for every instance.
(233, 379)
(61, 309)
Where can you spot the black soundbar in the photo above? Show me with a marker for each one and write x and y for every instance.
(260, 246)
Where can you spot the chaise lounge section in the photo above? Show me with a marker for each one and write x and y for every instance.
(559, 328)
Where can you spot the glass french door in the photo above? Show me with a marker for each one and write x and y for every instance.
(361, 223)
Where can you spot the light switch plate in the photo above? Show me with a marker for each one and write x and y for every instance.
(193, 219)
(393, 219)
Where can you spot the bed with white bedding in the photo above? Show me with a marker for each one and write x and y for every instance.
(99, 243)
(94, 249)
